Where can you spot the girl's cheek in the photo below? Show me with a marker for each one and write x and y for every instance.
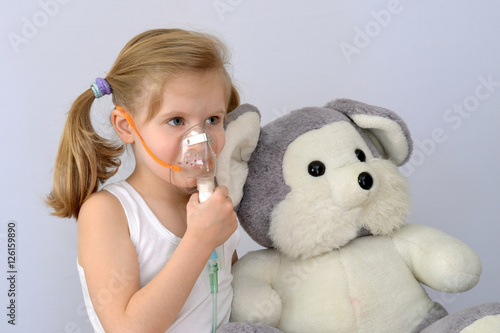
(221, 138)
(219, 144)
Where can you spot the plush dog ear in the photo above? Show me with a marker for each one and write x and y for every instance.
(242, 134)
(386, 129)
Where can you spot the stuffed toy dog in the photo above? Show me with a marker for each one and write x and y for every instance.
(319, 188)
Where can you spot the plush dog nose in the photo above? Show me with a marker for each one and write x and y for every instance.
(365, 180)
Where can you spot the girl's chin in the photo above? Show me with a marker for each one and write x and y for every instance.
(185, 190)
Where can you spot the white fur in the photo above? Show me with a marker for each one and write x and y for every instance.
(438, 260)
(388, 132)
(389, 209)
(323, 213)
(322, 278)
(352, 289)
(254, 299)
(367, 285)
(242, 135)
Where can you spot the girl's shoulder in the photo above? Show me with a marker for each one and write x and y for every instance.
(105, 200)
(102, 210)
(99, 201)
(102, 226)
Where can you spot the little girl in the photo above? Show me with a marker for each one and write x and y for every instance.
(142, 244)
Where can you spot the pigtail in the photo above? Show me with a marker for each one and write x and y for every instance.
(84, 160)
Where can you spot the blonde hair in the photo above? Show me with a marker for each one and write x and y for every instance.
(85, 160)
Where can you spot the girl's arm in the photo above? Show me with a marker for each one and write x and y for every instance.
(109, 259)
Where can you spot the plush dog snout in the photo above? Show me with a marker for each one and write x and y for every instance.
(365, 180)
(345, 192)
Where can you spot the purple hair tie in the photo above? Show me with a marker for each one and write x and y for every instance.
(100, 87)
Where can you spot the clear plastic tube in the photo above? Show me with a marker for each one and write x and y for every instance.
(214, 312)
(214, 289)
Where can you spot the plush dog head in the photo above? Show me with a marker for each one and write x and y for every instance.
(320, 177)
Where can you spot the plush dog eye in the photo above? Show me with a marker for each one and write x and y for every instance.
(360, 155)
(316, 168)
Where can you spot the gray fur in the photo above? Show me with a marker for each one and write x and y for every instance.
(265, 186)
(243, 108)
(350, 108)
(456, 322)
(436, 313)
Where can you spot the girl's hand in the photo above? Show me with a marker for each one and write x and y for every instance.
(213, 221)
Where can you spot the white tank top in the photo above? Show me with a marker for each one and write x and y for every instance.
(155, 245)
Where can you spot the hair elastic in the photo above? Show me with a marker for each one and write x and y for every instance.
(100, 87)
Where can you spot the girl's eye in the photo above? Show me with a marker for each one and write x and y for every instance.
(176, 122)
(213, 120)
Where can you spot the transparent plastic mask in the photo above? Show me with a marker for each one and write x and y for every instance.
(195, 158)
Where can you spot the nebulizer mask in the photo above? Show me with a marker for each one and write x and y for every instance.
(193, 168)
(195, 160)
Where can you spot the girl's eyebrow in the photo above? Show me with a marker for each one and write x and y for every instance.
(182, 114)
(172, 114)
(218, 110)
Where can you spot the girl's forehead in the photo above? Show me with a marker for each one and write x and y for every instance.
(194, 82)
(185, 93)
(194, 92)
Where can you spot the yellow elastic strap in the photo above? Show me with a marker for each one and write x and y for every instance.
(131, 123)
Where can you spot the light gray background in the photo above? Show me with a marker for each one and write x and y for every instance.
(427, 61)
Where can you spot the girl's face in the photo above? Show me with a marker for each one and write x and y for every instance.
(188, 99)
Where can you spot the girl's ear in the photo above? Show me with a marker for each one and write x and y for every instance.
(122, 127)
